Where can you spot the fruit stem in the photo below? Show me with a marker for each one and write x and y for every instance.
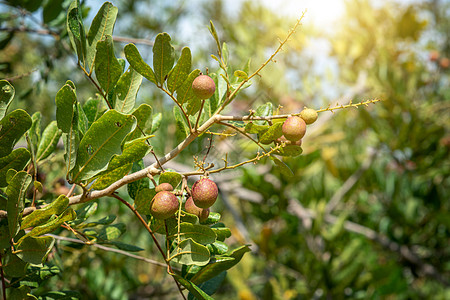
(138, 215)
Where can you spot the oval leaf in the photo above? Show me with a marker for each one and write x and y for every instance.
(16, 160)
(200, 233)
(271, 134)
(101, 142)
(189, 252)
(181, 71)
(170, 177)
(163, 57)
(40, 216)
(12, 127)
(65, 110)
(35, 250)
(6, 95)
(102, 25)
(49, 141)
(16, 192)
(126, 90)
(136, 62)
(107, 67)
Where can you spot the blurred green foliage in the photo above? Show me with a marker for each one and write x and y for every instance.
(398, 151)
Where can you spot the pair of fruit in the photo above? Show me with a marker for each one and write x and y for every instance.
(294, 128)
(165, 204)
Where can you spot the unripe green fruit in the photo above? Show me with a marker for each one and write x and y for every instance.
(204, 193)
(164, 205)
(164, 187)
(203, 87)
(294, 128)
(309, 115)
(201, 213)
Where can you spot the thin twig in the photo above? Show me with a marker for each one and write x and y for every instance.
(151, 261)
(138, 215)
(12, 78)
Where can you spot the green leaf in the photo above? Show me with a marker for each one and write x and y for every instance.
(16, 192)
(83, 122)
(163, 57)
(103, 221)
(134, 187)
(40, 216)
(282, 167)
(193, 289)
(84, 212)
(213, 218)
(76, 32)
(189, 252)
(16, 160)
(68, 215)
(170, 177)
(225, 54)
(13, 266)
(220, 93)
(12, 127)
(123, 246)
(271, 134)
(255, 128)
(221, 232)
(199, 233)
(92, 110)
(220, 264)
(240, 74)
(289, 150)
(34, 250)
(181, 70)
(120, 165)
(49, 141)
(182, 128)
(210, 286)
(65, 109)
(184, 92)
(143, 199)
(20, 293)
(52, 9)
(109, 232)
(35, 130)
(64, 295)
(100, 143)
(107, 67)
(264, 111)
(213, 31)
(218, 248)
(144, 124)
(102, 25)
(136, 62)
(126, 90)
(156, 122)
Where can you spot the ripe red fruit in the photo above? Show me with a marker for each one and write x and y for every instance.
(164, 187)
(164, 205)
(294, 128)
(204, 193)
(434, 55)
(201, 213)
(444, 62)
(203, 87)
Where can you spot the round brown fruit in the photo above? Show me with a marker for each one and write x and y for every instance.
(309, 115)
(204, 193)
(164, 187)
(201, 213)
(444, 62)
(203, 87)
(164, 205)
(294, 128)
